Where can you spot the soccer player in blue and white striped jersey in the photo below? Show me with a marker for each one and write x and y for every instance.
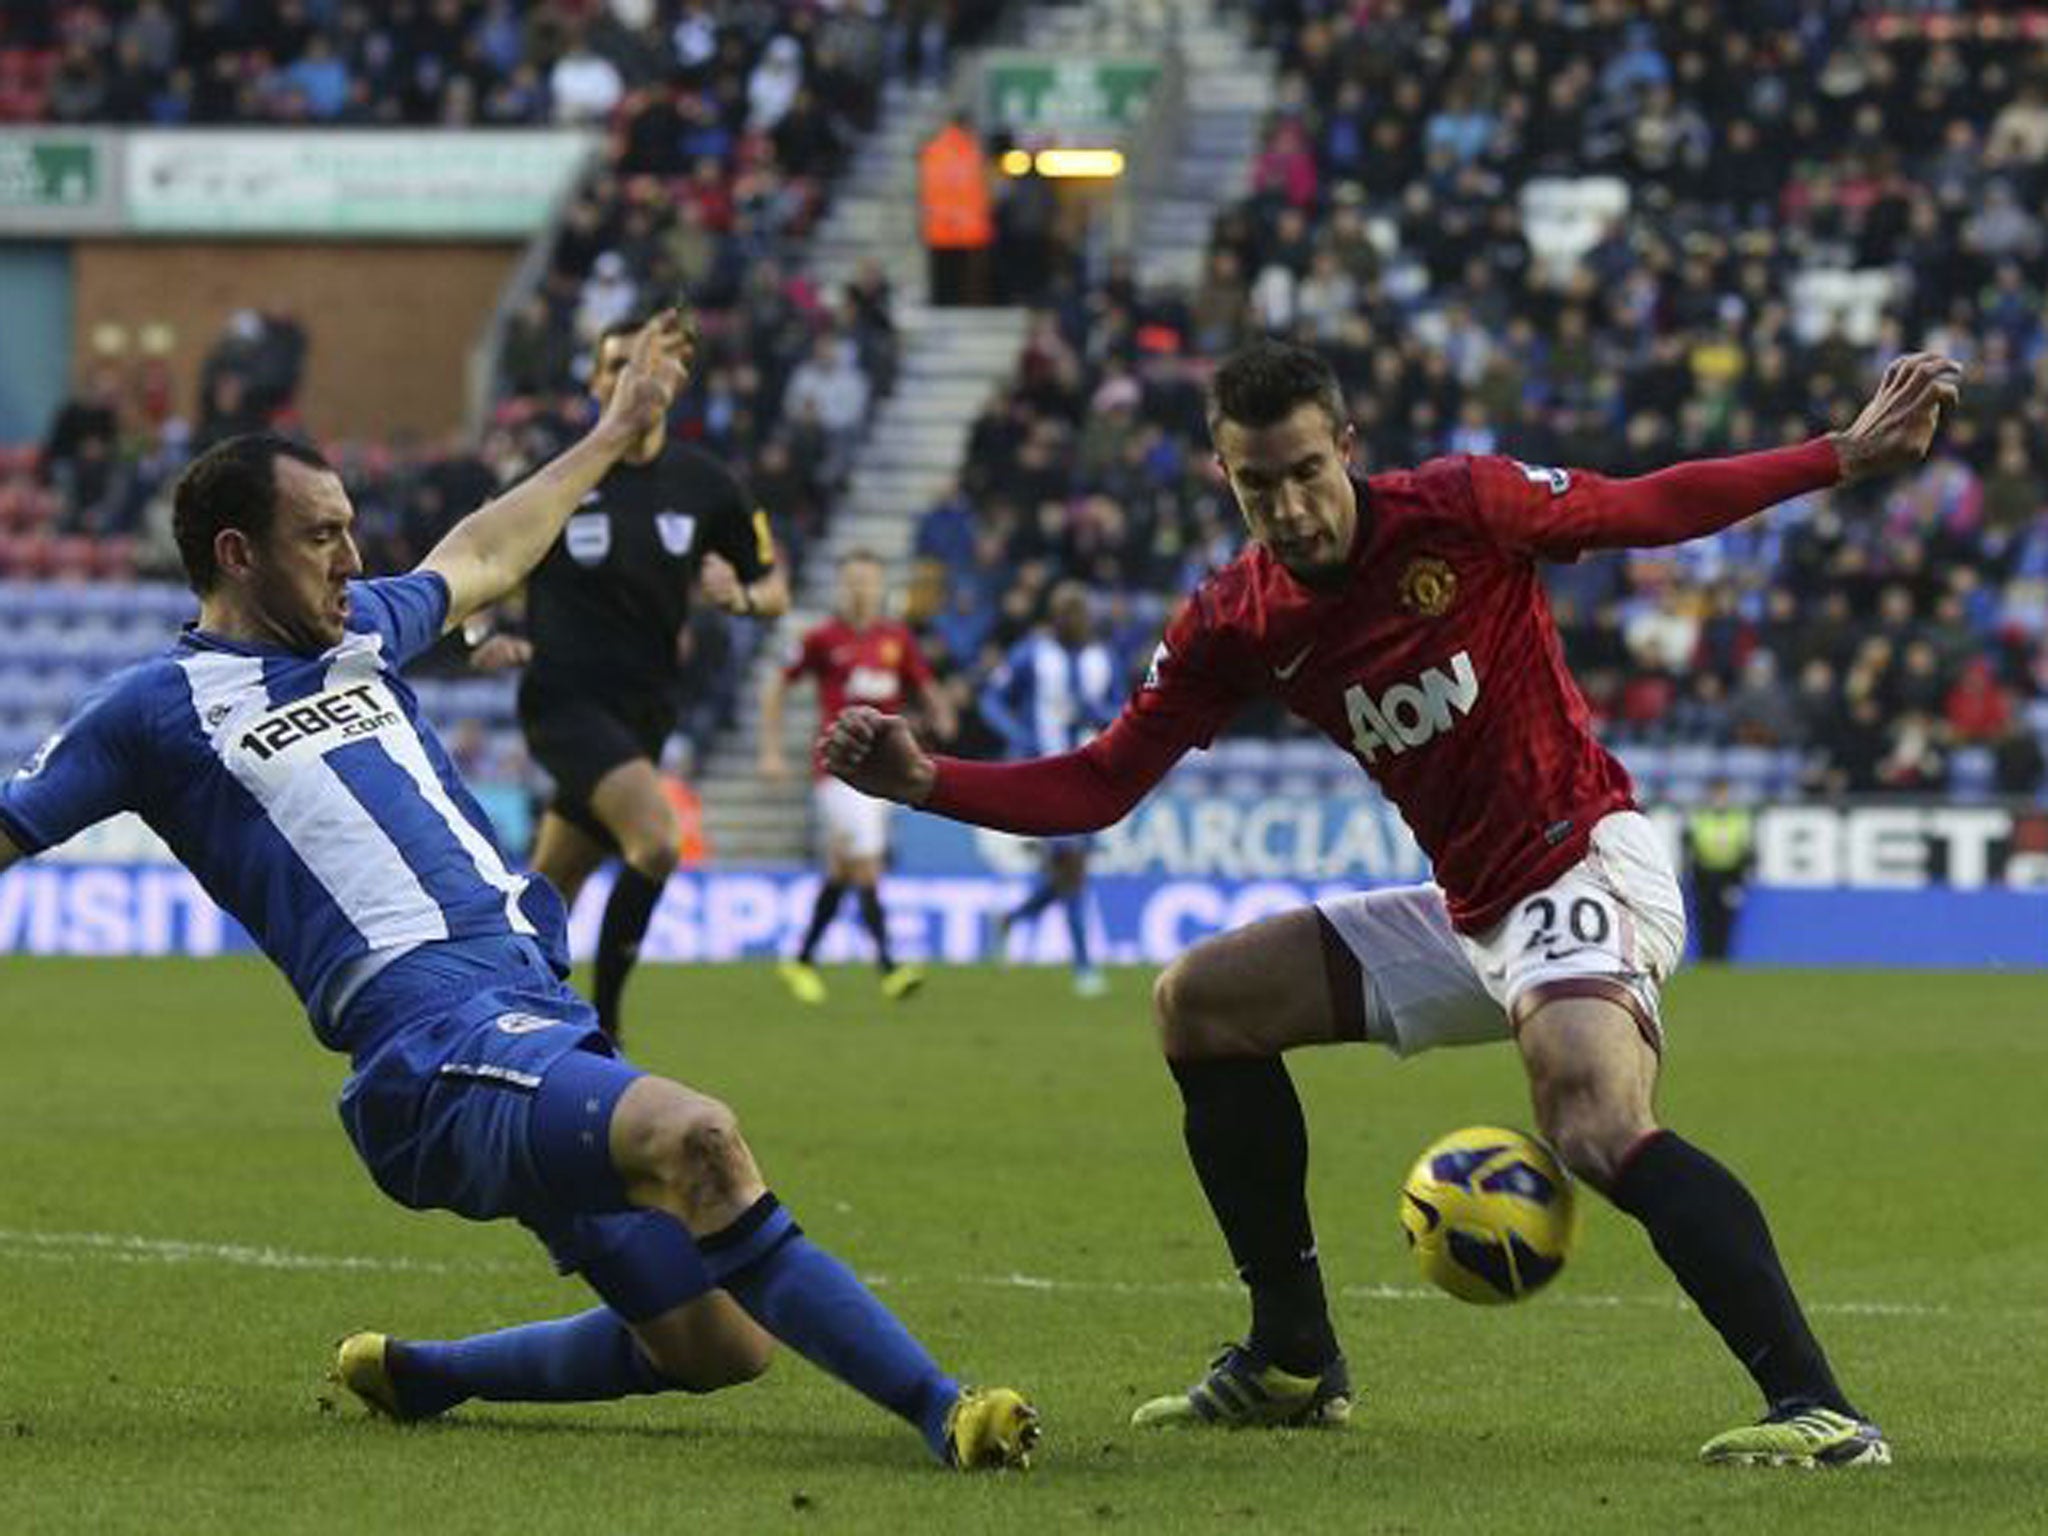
(278, 751)
(1056, 689)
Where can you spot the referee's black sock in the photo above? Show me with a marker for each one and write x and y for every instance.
(877, 924)
(626, 917)
(1709, 1229)
(1249, 1145)
(821, 918)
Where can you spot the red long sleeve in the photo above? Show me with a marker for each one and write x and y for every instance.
(1689, 501)
(1080, 791)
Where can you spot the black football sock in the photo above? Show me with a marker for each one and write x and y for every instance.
(1709, 1229)
(1249, 1145)
(877, 923)
(821, 918)
(626, 916)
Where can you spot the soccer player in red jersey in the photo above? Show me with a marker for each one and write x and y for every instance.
(1403, 614)
(858, 656)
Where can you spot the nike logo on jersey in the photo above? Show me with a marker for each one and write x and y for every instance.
(1286, 674)
(1410, 714)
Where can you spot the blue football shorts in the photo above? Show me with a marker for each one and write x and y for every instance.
(488, 1090)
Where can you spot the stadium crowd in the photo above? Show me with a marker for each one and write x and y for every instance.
(1767, 152)
(453, 63)
(725, 130)
(725, 127)
(1805, 192)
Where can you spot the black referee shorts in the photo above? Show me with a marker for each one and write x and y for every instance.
(579, 736)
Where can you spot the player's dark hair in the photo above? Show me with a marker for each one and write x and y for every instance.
(860, 555)
(231, 485)
(1267, 381)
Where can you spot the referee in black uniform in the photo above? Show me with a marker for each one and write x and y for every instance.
(604, 610)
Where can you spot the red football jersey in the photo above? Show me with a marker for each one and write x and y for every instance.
(1436, 664)
(879, 665)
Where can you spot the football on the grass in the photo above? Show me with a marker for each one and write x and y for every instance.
(1488, 1213)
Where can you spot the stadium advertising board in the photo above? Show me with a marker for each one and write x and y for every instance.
(1362, 841)
(718, 915)
(1894, 884)
(349, 182)
(57, 181)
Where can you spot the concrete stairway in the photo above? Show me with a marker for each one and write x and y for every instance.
(951, 359)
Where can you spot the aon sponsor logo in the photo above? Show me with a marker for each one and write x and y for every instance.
(1410, 714)
(875, 685)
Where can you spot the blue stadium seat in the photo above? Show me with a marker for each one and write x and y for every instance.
(1970, 773)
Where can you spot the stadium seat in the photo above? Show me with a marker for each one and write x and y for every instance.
(1853, 299)
(1971, 773)
(1565, 216)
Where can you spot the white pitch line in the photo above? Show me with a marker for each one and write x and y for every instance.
(132, 1248)
(1042, 1283)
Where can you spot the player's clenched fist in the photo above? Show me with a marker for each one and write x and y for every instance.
(878, 755)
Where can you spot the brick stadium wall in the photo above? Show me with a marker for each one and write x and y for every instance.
(389, 326)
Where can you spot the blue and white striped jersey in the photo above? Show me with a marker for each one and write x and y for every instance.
(304, 792)
(1045, 699)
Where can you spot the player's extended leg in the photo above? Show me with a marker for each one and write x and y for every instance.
(698, 1346)
(566, 855)
(1069, 872)
(630, 803)
(1226, 1010)
(863, 876)
(1042, 895)
(1592, 1072)
(681, 1152)
(656, 1167)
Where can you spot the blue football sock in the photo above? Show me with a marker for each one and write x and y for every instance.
(1077, 929)
(1041, 897)
(587, 1358)
(815, 1305)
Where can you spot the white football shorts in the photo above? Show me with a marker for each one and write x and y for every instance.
(851, 824)
(1617, 914)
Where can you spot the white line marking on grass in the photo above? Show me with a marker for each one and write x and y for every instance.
(132, 1248)
(1018, 1281)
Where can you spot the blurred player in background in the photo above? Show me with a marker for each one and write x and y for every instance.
(858, 656)
(605, 611)
(1055, 690)
(1404, 615)
(279, 752)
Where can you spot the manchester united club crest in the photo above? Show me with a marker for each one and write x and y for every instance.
(1428, 585)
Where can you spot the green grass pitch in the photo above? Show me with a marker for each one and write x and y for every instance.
(184, 1231)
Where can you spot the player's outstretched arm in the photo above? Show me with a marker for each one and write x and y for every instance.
(1072, 792)
(488, 553)
(1689, 501)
